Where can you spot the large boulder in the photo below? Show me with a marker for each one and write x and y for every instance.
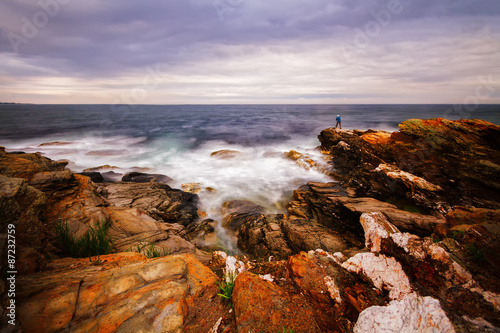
(80, 207)
(413, 313)
(236, 213)
(160, 201)
(262, 306)
(263, 235)
(278, 236)
(120, 292)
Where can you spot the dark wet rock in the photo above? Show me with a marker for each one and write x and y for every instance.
(262, 235)
(140, 177)
(102, 168)
(111, 176)
(29, 261)
(54, 143)
(238, 212)
(159, 200)
(203, 234)
(95, 176)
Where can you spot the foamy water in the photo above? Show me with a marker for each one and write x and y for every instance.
(261, 173)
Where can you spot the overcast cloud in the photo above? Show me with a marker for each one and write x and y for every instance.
(249, 51)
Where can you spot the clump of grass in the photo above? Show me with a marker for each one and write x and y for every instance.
(150, 250)
(403, 205)
(457, 234)
(286, 330)
(435, 239)
(95, 242)
(476, 253)
(226, 290)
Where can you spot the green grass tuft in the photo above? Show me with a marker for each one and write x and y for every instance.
(286, 330)
(226, 290)
(476, 253)
(94, 243)
(150, 250)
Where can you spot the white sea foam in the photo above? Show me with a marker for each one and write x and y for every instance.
(259, 173)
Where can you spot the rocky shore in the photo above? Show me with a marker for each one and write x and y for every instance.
(405, 238)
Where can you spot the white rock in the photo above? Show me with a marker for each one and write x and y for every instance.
(233, 268)
(385, 272)
(411, 314)
(377, 228)
(333, 289)
(267, 277)
(407, 178)
(216, 326)
(338, 257)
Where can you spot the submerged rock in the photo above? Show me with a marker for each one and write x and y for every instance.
(95, 176)
(140, 177)
(225, 154)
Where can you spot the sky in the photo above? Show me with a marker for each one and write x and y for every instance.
(250, 51)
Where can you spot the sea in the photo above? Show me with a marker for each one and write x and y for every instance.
(178, 141)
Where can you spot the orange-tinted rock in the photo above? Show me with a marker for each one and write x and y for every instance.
(336, 295)
(29, 261)
(376, 138)
(81, 209)
(463, 215)
(22, 205)
(122, 292)
(262, 306)
(27, 165)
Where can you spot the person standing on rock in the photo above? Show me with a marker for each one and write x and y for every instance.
(339, 122)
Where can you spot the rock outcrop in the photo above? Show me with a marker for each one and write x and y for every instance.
(36, 194)
(342, 213)
(434, 164)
